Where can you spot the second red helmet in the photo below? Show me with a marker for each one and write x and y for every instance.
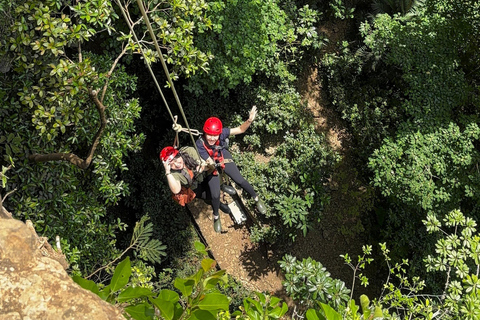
(213, 126)
(168, 153)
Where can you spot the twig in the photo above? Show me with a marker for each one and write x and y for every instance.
(111, 262)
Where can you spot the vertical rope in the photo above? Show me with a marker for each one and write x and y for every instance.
(144, 58)
(165, 69)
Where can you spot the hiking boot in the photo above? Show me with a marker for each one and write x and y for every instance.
(228, 189)
(217, 224)
(225, 209)
(261, 207)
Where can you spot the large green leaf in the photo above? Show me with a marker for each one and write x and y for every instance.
(169, 295)
(185, 286)
(202, 315)
(121, 275)
(166, 307)
(214, 301)
(141, 311)
(200, 247)
(86, 284)
(197, 277)
(105, 292)
(330, 313)
(279, 312)
(132, 293)
(314, 315)
(207, 264)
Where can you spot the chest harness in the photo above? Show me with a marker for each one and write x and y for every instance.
(215, 152)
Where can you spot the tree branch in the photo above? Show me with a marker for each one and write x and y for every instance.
(70, 157)
(3, 212)
(111, 71)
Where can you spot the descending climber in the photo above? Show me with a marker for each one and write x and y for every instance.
(186, 179)
(212, 148)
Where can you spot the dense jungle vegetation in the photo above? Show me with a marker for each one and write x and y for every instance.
(82, 123)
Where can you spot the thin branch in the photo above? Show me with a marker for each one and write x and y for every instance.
(3, 211)
(447, 282)
(124, 50)
(73, 158)
(111, 262)
(80, 57)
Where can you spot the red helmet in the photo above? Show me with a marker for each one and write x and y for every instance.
(213, 126)
(168, 153)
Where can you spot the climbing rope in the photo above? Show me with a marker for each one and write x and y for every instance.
(143, 55)
(176, 127)
(165, 69)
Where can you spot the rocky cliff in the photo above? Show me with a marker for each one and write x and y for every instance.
(34, 284)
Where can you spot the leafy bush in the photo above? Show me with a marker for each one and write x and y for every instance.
(305, 160)
(250, 37)
(308, 282)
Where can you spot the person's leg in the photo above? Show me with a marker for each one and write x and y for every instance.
(232, 171)
(203, 192)
(214, 186)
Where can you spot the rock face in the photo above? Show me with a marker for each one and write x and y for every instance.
(36, 287)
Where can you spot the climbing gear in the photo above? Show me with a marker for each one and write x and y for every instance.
(261, 207)
(178, 128)
(141, 6)
(186, 194)
(215, 152)
(225, 209)
(213, 126)
(130, 23)
(217, 224)
(168, 153)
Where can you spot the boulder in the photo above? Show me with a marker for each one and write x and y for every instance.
(34, 285)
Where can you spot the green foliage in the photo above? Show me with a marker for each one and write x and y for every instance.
(412, 107)
(341, 10)
(457, 254)
(405, 170)
(47, 108)
(236, 291)
(294, 212)
(264, 307)
(303, 159)
(148, 249)
(199, 297)
(250, 37)
(393, 7)
(363, 90)
(326, 312)
(143, 275)
(174, 24)
(307, 282)
(434, 85)
(362, 262)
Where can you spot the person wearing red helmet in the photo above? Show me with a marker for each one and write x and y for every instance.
(185, 176)
(212, 148)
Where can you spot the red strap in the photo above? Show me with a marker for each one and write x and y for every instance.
(215, 154)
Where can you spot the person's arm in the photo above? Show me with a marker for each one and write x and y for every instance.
(244, 126)
(174, 185)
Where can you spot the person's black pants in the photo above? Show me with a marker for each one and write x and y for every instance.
(213, 182)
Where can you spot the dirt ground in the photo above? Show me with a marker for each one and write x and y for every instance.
(338, 233)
